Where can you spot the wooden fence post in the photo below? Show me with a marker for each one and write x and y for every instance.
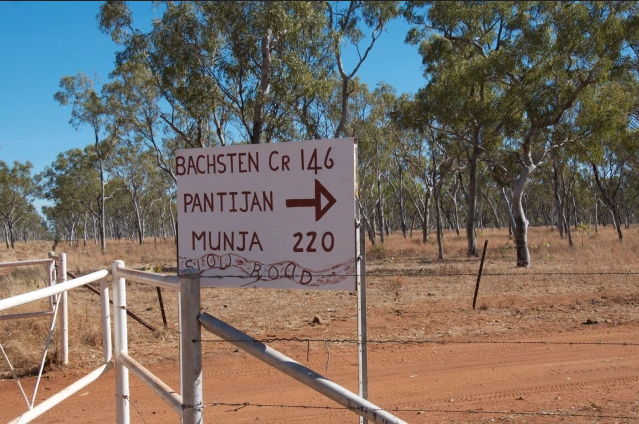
(481, 267)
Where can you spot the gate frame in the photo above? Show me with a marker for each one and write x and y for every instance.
(54, 261)
(189, 404)
(58, 290)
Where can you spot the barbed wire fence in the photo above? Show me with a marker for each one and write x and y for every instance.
(242, 405)
(427, 273)
(549, 414)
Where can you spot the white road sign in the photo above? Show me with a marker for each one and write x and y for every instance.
(270, 215)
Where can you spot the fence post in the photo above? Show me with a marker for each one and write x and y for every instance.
(51, 277)
(64, 313)
(120, 345)
(105, 312)
(481, 267)
(162, 308)
(191, 341)
(362, 336)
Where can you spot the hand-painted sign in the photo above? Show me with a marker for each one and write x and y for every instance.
(270, 215)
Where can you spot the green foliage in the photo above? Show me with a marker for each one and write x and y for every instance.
(521, 80)
(17, 190)
(526, 108)
(377, 252)
(583, 227)
(215, 64)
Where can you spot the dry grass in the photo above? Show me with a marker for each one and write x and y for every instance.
(152, 255)
(423, 298)
(595, 251)
(24, 339)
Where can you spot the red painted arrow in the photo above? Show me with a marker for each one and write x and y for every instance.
(316, 202)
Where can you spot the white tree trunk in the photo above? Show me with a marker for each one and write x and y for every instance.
(519, 216)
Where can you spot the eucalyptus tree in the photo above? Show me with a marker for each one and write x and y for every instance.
(559, 172)
(122, 217)
(609, 108)
(345, 27)
(214, 64)
(271, 49)
(366, 183)
(64, 222)
(420, 179)
(374, 127)
(163, 68)
(369, 124)
(89, 108)
(460, 90)
(32, 226)
(17, 190)
(134, 101)
(562, 51)
(609, 178)
(324, 108)
(582, 202)
(160, 218)
(545, 57)
(396, 181)
(415, 152)
(74, 185)
(430, 157)
(631, 191)
(568, 182)
(452, 192)
(135, 170)
(441, 167)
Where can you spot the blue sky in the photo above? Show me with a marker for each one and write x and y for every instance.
(42, 41)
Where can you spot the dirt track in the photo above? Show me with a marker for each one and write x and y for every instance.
(452, 382)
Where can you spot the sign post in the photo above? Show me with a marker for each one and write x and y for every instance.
(269, 215)
(362, 346)
(275, 216)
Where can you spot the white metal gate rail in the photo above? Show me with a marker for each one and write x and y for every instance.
(61, 261)
(61, 277)
(56, 291)
(294, 369)
(50, 265)
(189, 404)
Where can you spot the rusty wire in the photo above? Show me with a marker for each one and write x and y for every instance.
(434, 273)
(243, 405)
(420, 342)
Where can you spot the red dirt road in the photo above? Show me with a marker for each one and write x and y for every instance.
(431, 383)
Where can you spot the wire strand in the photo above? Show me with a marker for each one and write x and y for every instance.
(419, 342)
(429, 273)
(242, 405)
